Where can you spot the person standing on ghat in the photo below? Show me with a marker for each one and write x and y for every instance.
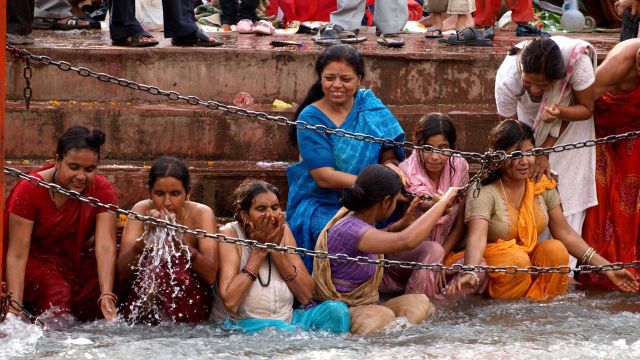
(613, 227)
(179, 25)
(61, 252)
(548, 84)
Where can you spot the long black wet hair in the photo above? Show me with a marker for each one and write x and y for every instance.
(248, 190)
(373, 184)
(504, 136)
(338, 53)
(436, 124)
(542, 56)
(167, 166)
(80, 137)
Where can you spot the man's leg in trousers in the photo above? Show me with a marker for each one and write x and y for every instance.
(390, 16)
(53, 9)
(349, 14)
(20, 16)
(247, 10)
(229, 12)
(179, 19)
(486, 12)
(522, 11)
(122, 22)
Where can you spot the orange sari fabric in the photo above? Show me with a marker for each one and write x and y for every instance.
(611, 228)
(525, 251)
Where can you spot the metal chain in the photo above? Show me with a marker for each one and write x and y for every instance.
(7, 302)
(492, 156)
(270, 247)
(27, 72)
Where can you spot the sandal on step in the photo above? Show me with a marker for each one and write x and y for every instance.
(469, 37)
(433, 34)
(528, 30)
(351, 37)
(198, 38)
(328, 35)
(390, 40)
(264, 27)
(72, 23)
(245, 26)
(136, 40)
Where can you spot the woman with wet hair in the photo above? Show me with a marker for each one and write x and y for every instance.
(504, 223)
(182, 280)
(548, 84)
(61, 252)
(372, 199)
(330, 163)
(258, 287)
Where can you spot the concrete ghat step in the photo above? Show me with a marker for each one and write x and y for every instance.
(423, 72)
(143, 132)
(212, 182)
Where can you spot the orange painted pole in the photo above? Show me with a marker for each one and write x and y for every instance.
(3, 86)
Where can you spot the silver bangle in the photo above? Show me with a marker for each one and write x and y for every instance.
(474, 275)
(586, 257)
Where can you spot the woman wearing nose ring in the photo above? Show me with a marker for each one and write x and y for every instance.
(330, 163)
(194, 270)
(548, 84)
(61, 252)
(504, 223)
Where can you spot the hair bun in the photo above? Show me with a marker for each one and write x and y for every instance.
(96, 138)
(353, 198)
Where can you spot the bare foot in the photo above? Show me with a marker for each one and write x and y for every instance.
(469, 22)
(428, 21)
(450, 23)
(226, 28)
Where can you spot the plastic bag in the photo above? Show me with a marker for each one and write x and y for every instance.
(149, 14)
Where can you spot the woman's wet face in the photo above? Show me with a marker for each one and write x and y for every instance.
(263, 204)
(339, 82)
(519, 169)
(169, 194)
(77, 169)
(536, 84)
(433, 162)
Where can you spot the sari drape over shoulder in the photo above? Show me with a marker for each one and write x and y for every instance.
(523, 249)
(309, 206)
(612, 227)
(61, 269)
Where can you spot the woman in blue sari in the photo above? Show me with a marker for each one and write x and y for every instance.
(329, 163)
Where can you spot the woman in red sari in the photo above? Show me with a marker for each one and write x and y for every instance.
(61, 252)
(612, 227)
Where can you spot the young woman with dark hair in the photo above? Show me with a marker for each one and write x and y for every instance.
(196, 267)
(548, 84)
(330, 163)
(61, 252)
(506, 219)
(257, 288)
(372, 199)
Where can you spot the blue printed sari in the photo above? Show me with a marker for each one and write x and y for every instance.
(310, 207)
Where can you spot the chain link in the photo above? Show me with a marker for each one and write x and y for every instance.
(6, 303)
(491, 156)
(27, 72)
(198, 233)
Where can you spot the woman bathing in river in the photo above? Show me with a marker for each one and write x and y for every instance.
(182, 282)
(258, 288)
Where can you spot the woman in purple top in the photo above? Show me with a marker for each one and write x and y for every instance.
(372, 199)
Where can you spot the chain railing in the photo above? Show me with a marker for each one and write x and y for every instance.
(487, 157)
(271, 247)
(7, 303)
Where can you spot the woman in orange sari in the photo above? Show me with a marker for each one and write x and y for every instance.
(504, 222)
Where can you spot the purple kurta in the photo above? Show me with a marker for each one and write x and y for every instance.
(344, 238)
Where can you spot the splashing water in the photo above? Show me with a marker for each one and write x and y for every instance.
(164, 253)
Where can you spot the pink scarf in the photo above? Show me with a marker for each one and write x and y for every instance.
(421, 183)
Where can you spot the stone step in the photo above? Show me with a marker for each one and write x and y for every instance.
(142, 132)
(423, 72)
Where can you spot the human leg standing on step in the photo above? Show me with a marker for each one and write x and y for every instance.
(180, 25)
(124, 29)
(56, 15)
(390, 17)
(522, 14)
(19, 22)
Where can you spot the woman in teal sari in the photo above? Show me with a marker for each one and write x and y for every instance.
(329, 163)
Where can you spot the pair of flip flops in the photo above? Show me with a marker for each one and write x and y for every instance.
(390, 40)
(71, 23)
(469, 37)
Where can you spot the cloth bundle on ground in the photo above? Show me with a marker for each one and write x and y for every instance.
(366, 315)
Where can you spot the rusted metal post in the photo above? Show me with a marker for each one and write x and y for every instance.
(3, 85)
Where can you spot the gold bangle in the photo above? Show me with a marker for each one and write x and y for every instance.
(109, 295)
(587, 255)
